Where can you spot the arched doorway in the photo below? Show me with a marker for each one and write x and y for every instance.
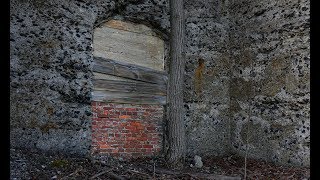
(129, 90)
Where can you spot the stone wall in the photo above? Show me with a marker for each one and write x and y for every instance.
(51, 72)
(206, 93)
(270, 82)
(51, 69)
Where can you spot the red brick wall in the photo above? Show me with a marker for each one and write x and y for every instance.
(126, 130)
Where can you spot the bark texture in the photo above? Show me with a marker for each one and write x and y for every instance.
(176, 129)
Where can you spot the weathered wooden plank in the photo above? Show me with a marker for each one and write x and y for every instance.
(129, 87)
(127, 98)
(130, 43)
(131, 71)
(97, 75)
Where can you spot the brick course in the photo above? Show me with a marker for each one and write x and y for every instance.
(126, 130)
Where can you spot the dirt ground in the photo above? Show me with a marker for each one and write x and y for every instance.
(31, 164)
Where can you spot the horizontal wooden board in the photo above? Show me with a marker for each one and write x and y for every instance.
(127, 98)
(130, 71)
(128, 26)
(129, 87)
(129, 43)
(110, 77)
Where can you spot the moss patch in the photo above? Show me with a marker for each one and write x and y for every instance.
(47, 126)
(241, 89)
(59, 163)
(251, 133)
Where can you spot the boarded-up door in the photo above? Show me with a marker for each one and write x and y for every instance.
(129, 90)
(128, 64)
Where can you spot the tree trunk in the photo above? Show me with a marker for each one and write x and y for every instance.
(176, 129)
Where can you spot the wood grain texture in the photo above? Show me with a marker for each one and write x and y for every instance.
(129, 87)
(176, 128)
(110, 77)
(130, 71)
(127, 98)
(129, 43)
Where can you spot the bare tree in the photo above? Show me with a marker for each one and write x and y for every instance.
(176, 129)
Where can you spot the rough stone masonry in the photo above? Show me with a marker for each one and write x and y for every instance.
(252, 86)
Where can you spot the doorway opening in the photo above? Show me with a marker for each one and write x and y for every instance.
(130, 87)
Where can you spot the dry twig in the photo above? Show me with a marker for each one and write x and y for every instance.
(137, 172)
(154, 170)
(75, 172)
(109, 173)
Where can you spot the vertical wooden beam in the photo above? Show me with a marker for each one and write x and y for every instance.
(176, 128)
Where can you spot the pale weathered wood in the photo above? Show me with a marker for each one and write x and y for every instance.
(131, 71)
(127, 98)
(129, 26)
(176, 128)
(130, 43)
(97, 75)
(129, 87)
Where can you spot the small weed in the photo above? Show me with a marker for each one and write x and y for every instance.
(59, 163)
